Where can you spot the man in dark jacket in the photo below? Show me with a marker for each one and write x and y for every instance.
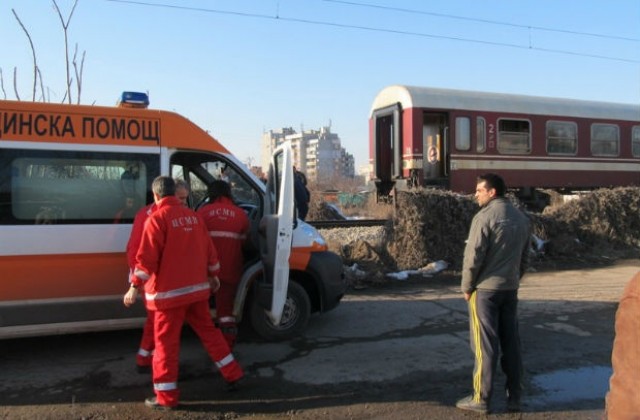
(301, 193)
(494, 261)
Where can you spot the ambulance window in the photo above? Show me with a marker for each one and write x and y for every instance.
(56, 187)
(243, 191)
(201, 169)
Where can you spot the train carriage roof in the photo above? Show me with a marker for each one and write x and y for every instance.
(444, 99)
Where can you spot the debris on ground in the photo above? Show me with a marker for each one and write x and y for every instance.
(432, 225)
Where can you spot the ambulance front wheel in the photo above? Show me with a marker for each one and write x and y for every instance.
(295, 316)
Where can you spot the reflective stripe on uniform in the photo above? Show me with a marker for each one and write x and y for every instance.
(226, 234)
(165, 386)
(144, 353)
(141, 274)
(225, 361)
(214, 267)
(227, 319)
(178, 292)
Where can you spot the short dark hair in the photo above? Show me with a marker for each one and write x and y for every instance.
(219, 188)
(493, 181)
(164, 186)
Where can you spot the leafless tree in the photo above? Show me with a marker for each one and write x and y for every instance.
(37, 74)
(33, 53)
(65, 27)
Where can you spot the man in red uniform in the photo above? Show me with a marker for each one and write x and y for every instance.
(145, 351)
(177, 265)
(228, 227)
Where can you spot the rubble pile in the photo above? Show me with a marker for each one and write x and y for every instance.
(430, 225)
(603, 220)
(321, 210)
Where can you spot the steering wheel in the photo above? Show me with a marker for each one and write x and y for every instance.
(250, 209)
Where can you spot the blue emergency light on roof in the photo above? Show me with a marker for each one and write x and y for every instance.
(133, 100)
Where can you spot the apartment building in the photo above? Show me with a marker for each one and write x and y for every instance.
(317, 153)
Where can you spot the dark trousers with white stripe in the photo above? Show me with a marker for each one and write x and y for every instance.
(494, 328)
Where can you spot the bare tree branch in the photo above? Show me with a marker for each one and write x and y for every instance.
(15, 82)
(44, 99)
(78, 71)
(65, 26)
(33, 52)
(4, 93)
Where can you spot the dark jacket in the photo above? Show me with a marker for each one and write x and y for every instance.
(302, 196)
(495, 256)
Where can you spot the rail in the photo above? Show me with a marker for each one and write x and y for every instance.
(330, 224)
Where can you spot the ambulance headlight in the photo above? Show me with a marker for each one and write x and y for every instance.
(311, 233)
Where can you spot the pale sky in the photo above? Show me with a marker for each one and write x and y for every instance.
(241, 67)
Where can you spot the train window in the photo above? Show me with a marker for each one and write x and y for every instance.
(514, 136)
(605, 139)
(635, 141)
(562, 138)
(481, 135)
(463, 133)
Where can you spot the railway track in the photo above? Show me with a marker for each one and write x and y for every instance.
(331, 224)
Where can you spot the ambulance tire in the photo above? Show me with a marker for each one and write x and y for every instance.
(295, 316)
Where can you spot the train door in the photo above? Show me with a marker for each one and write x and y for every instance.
(436, 149)
(387, 148)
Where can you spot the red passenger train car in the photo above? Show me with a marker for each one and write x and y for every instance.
(422, 136)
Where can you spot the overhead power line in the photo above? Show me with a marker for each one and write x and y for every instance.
(492, 22)
(278, 17)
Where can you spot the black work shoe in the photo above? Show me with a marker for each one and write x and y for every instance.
(513, 405)
(152, 402)
(235, 385)
(143, 369)
(468, 403)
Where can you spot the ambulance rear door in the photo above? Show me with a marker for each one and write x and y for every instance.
(276, 230)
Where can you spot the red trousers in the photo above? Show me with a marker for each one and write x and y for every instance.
(225, 298)
(147, 343)
(167, 328)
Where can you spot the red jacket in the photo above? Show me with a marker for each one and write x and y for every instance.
(136, 233)
(228, 227)
(623, 398)
(175, 257)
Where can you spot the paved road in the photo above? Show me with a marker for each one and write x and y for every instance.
(403, 348)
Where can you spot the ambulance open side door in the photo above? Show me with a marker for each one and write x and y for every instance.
(276, 231)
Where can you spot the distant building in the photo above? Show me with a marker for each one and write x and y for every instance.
(317, 153)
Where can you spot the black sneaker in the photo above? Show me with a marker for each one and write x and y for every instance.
(513, 402)
(152, 402)
(143, 369)
(235, 385)
(468, 403)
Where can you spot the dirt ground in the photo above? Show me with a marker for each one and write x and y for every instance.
(394, 351)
